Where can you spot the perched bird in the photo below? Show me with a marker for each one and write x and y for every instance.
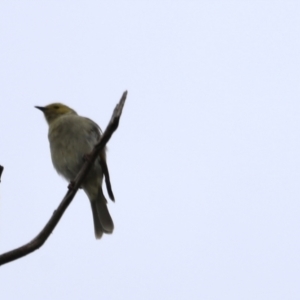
(71, 137)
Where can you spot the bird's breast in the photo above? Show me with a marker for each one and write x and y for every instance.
(69, 142)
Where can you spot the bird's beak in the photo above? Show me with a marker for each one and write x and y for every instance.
(41, 108)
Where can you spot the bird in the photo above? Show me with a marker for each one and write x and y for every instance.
(71, 138)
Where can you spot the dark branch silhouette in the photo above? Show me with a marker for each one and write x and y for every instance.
(40, 239)
(1, 171)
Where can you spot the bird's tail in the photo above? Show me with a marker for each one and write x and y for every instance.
(103, 222)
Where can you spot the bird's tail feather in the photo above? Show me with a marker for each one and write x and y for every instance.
(97, 224)
(103, 222)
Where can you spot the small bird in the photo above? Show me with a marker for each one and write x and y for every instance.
(71, 137)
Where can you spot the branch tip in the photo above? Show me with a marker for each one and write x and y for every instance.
(1, 171)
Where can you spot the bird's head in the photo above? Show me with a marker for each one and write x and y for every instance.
(54, 111)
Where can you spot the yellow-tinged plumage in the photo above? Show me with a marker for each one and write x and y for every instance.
(71, 137)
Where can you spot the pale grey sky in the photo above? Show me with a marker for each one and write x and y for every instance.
(205, 165)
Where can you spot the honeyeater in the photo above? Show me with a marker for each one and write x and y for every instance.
(71, 138)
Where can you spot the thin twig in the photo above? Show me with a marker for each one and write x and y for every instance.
(40, 239)
(1, 171)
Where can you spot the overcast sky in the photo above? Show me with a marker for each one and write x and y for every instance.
(205, 165)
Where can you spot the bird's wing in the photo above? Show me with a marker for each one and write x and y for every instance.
(106, 174)
(95, 134)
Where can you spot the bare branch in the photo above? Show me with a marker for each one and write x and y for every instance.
(1, 171)
(40, 239)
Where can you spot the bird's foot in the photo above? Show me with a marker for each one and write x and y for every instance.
(71, 185)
